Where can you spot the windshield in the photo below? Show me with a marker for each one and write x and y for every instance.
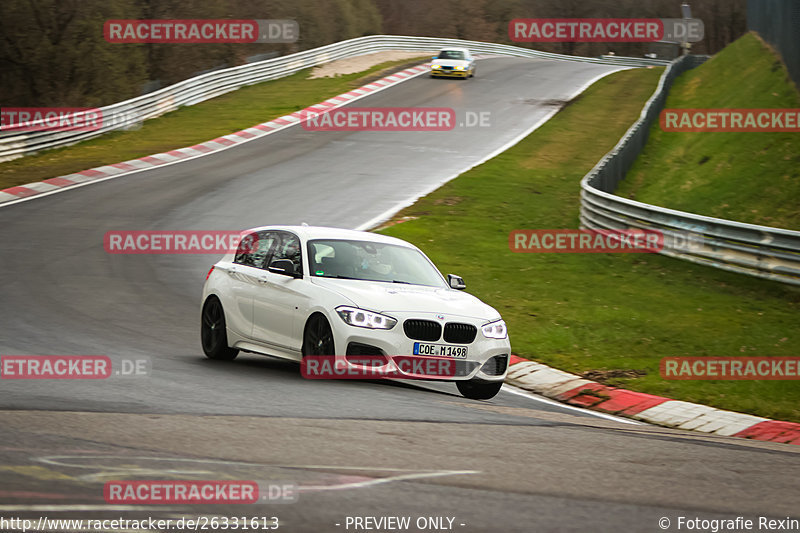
(451, 54)
(371, 261)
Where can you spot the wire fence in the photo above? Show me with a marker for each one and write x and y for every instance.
(778, 23)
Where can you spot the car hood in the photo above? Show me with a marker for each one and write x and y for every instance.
(451, 62)
(395, 297)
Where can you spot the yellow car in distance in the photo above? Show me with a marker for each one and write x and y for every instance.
(453, 63)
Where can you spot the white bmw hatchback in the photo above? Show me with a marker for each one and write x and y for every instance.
(296, 291)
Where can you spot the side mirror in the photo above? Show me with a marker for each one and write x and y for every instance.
(284, 267)
(456, 282)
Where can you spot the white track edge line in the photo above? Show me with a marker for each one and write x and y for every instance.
(520, 392)
(243, 141)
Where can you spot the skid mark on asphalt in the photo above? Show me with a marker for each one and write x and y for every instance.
(322, 477)
(36, 472)
(389, 479)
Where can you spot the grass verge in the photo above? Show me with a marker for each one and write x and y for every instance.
(191, 125)
(749, 177)
(613, 313)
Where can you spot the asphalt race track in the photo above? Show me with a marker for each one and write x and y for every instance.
(515, 463)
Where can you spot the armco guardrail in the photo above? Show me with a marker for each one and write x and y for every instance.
(127, 114)
(761, 251)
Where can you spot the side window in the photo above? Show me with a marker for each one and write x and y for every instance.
(320, 254)
(254, 248)
(288, 247)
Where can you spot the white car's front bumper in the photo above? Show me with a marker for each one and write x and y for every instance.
(486, 359)
(450, 72)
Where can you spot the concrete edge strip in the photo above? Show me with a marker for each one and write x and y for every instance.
(580, 392)
(84, 177)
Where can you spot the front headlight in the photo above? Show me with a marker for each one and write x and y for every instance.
(365, 319)
(436, 66)
(459, 68)
(495, 330)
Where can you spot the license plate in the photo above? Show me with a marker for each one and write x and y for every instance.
(440, 350)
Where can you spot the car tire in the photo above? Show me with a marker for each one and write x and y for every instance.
(213, 332)
(477, 389)
(318, 337)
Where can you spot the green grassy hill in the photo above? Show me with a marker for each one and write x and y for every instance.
(749, 177)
